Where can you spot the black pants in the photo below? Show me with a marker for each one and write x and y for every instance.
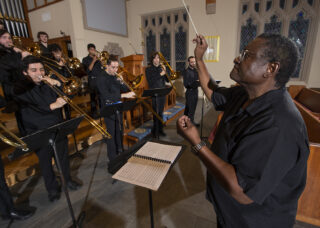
(45, 155)
(158, 106)
(93, 94)
(115, 128)
(191, 103)
(6, 203)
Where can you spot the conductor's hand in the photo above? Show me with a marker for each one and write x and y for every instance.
(201, 47)
(60, 102)
(187, 130)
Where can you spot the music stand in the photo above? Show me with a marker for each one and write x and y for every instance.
(117, 108)
(156, 93)
(52, 135)
(126, 156)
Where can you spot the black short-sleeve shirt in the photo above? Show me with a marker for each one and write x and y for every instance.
(267, 144)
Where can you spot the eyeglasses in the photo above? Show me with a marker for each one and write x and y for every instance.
(243, 54)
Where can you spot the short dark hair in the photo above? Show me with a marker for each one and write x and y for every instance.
(91, 46)
(54, 48)
(3, 31)
(190, 57)
(42, 33)
(30, 59)
(112, 58)
(152, 56)
(283, 50)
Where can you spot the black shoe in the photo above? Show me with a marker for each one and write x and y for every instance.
(54, 195)
(73, 185)
(162, 133)
(18, 214)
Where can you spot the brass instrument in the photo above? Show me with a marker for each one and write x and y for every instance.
(103, 57)
(70, 85)
(18, 144)
(141, 99)
(134, 81)
(79, 110)
(173, 74)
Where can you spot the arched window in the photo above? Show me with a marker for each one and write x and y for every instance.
(167, 32)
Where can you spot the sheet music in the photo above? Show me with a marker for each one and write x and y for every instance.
(159, 151)
(143, 172)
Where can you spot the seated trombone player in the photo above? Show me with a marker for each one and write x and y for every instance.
(41, 108)
(58, 63)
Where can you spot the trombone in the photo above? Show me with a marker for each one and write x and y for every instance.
(70, 85)
(140, 99)
(173, 74)
(18, 144)
(79, 110)
(135, 82)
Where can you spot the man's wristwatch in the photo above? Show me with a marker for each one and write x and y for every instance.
(196, 148)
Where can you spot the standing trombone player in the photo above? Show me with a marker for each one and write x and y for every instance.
(156, 77)
(93, 67)
(111, 91)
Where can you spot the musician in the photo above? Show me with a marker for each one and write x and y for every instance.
(156, 78)
(41, 108)
(191, 83)
(111, 91)
(10, 71)
(59, 63)
(43, 43)
(7, 209)
(257, 164)
(93, 68)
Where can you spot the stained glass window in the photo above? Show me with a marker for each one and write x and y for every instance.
(273, 26)
(282, 3)
(151, 43)
(257, 7)
(310, 2)
(248, 33)
(167, 32)
(244, 8)
(298, 32)
(181, 49)
(165, 44)
(269, 4)
(295, 3)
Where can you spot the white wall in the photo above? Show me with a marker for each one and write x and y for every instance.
(60, 20)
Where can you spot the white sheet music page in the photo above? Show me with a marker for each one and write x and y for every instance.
(143, 172)
(159, 151)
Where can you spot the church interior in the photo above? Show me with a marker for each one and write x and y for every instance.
(131, 30)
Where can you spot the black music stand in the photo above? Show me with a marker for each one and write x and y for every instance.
(125, 157)
(156, 93)
(52, 135)
(117, 108)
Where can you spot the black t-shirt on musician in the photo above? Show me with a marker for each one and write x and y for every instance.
(267, 144)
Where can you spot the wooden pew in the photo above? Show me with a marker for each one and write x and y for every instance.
(308, 103)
